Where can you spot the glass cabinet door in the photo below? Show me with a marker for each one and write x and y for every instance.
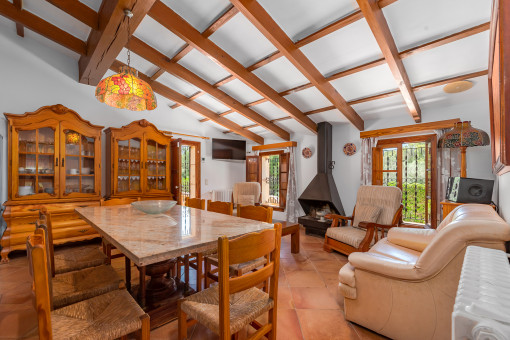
(129, 165)
(35, 163)
(156, 166)
(78, 164)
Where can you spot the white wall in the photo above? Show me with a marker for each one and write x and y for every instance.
(35, 75)
(504, 196)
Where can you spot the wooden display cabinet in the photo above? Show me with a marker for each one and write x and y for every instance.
(138, 158)
(54, 161)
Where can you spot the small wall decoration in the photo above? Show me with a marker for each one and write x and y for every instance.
(349, 149)
(307, 153)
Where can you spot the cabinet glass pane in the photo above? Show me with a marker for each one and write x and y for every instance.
(79, 162)
(129, 152)
(36, 167)
(156, 166)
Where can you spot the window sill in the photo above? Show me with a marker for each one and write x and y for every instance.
(275, 208)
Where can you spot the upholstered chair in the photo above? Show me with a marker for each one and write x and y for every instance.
(246, 193)
(404, 287)
(378, 208)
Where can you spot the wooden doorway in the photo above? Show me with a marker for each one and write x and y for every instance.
(410, 164)
(190, 169)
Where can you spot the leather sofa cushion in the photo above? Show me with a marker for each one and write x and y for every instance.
(366, 213)
(388, 249)
(412, 238)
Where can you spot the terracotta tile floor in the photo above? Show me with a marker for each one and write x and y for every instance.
(307, 304)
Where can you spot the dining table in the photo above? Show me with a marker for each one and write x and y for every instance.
(153, 242)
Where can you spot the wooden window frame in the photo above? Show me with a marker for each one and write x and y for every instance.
(198, 161)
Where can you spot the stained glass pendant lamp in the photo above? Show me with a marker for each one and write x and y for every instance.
(125, 90)
(462, 136)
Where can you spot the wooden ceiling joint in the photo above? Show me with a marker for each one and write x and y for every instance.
(175, 96)
(107, 41)
(20, 30)
(172, 21)
(381, 31)
(159, 59)
(256, 14)
(79, 11)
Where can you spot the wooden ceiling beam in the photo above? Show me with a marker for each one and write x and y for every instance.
(256, 14)
(159, 59)
(381, 31)
(175, 96)
(79, 11)
(20, 30)
(172, 21)
(42, 27)
(107, 41)
(222, 20)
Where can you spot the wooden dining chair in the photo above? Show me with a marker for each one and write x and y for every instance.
(196, 203)
(71, 287)
(236, 302)
(69, 259)
(257, 213)
(226, 208)
(108, 316)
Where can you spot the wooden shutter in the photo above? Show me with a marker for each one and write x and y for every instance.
(377, 166)
(252, 169)
(284, 178)
(175, 170)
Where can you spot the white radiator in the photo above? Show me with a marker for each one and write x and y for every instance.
(222, 195)
(482, 305)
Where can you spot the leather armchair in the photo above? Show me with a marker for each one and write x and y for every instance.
(404, 287)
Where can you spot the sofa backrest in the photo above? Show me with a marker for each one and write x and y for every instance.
(468, 224)
(386, 198)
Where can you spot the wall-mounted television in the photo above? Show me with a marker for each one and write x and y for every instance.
(228, 149)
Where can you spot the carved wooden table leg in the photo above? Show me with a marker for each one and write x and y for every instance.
(160, 285)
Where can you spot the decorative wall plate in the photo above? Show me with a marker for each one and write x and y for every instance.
(307, 153)
(349, 149)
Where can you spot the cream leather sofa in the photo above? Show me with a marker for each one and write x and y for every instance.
(404, 287)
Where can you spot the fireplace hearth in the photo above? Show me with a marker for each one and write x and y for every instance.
(321, 195)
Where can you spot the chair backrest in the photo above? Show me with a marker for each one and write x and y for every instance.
(37, 263)
(196, 203)
(468, 224)
(226, 208)
(388, 199)
(45, 223)
(253, 212)
(242, 249)
(117, 201)
(244, 189)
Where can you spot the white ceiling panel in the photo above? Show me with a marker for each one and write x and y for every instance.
(240, 91)
(215, 125)
(435, 98)
(239, 38)
(306, 17)
(462, 56)
(199, 13)
(211, 103)
(281, 75)
(203, 66)
(39, 38)
(183, 110)
(239, 119)
(332, 116)
(138, 62)
(269, 110)
(154, 34)
(57, 17)
(259, 130)
(294, 126)
(309, 99)
(415, 22)
(366, 83)
(177, 84)
(352, 45)
(94, 4)
(383, 108)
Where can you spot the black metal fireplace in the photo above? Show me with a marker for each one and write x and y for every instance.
(321, 195)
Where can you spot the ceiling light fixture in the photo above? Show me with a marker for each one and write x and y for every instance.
(458, 86)
(125, 90)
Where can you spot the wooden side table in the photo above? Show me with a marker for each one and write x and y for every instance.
(448, 206)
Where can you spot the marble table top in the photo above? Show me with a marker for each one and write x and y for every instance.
(147, 239)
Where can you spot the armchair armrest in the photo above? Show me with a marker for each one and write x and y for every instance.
(336, 218)
(385, 266)
(368, 225)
